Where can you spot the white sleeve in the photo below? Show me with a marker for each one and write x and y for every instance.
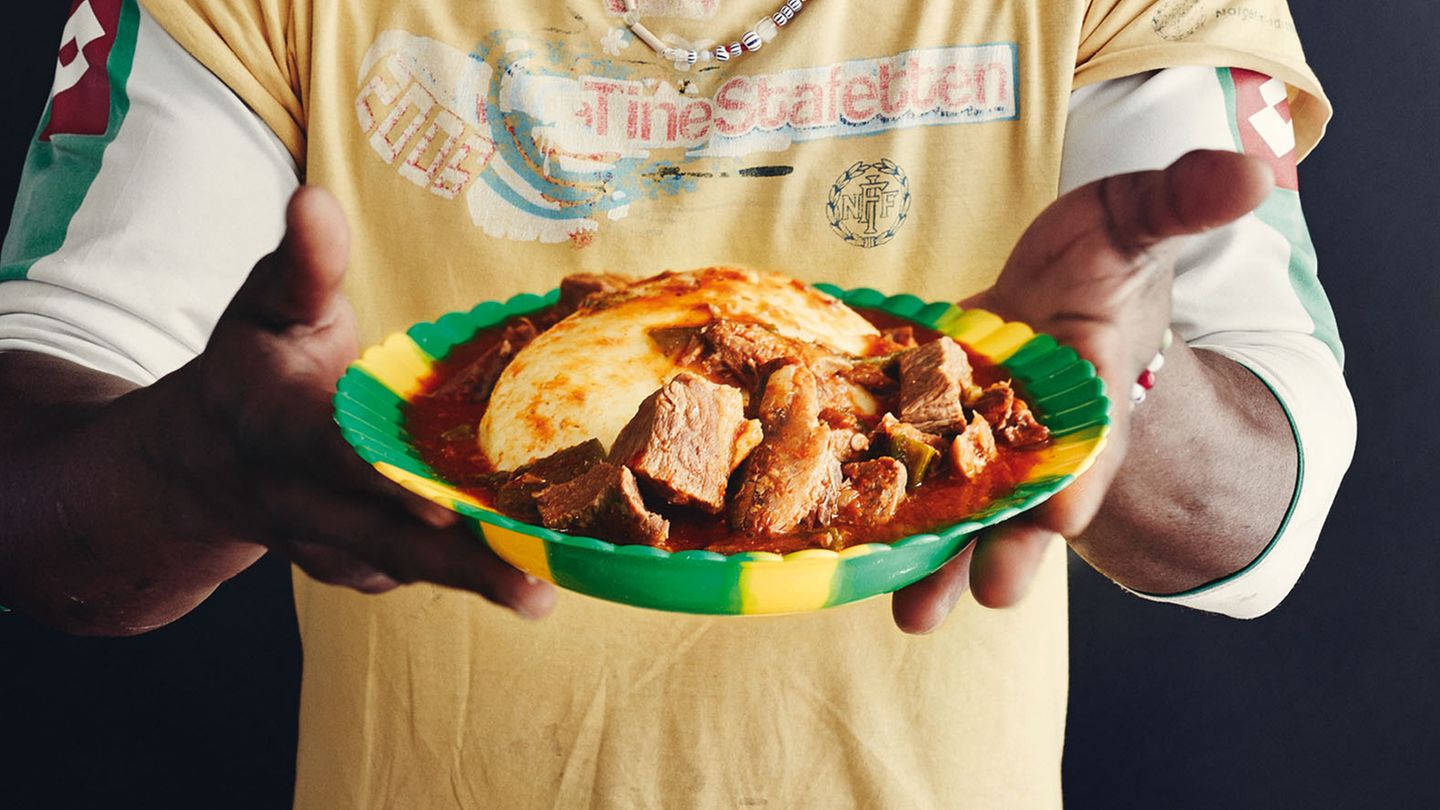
(130, 236)
(1247, 291)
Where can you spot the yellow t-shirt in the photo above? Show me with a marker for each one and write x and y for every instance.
(487, 148)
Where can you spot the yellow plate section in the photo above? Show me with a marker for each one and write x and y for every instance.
(970, 326)
(430, 489)
(787, 586)
(520, 550)
(1003, 342)
(399, 364)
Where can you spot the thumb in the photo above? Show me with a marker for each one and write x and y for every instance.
(1202, 190)
(298, 283)
(1085, 249)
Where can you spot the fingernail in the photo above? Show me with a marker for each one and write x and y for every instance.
(437, 517)
(536, 604)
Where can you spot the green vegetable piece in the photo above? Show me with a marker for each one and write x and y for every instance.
(673, 341)
(464, 432)
(908, 445)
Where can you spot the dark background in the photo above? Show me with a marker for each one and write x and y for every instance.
(1329, 702)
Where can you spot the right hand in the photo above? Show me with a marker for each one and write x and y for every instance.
(257, 453)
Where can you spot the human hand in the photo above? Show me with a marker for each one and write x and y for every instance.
(1095, 271)
(258, 459)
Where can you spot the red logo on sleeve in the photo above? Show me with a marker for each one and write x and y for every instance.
(80, 98)
(1262, 115)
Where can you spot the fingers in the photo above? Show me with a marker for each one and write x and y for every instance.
(337, 460)
(922, 607)
(354, 541)
(998, 569)
(299, 283)
(1005, 562)
(335, 567)
(456, 559)
(1200, 191)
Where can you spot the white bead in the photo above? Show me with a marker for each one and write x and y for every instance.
(630, 5)
(1137, 393)
(672, 54)
(767, 29)
(1156, 364)
(705, 56)
(631, 17)
(646, 36)
(751, 41)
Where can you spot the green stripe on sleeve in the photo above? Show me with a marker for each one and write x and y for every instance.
(1232, 108)
(1282, 211)
(58, 173)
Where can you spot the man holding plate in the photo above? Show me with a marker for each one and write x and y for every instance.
(166, 371)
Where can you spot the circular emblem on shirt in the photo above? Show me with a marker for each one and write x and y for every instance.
(1179, 19)
(869, 203)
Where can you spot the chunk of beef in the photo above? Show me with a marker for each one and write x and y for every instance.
(682, 440)
(873, 491)
(604, 502)
(894, 339)
(903, 337)
(743, 353)
(973, 449)
(879, 375)
(742, 350)
(577, 288)
(750, 437)
(477, 380)
(1009, 416)
(516, 495)
(933, 379)
(913, 447)
(792, 479)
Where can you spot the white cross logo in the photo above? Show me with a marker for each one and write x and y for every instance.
(1272, 126)
(82, 29)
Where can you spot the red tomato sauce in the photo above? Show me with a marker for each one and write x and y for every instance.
(444, 434)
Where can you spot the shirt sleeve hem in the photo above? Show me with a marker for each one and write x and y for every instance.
(1220, 582)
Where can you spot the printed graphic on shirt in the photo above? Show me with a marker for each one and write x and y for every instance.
(1262, 121)
(868, 203)
(1178, 20)
(80, 96)
(545, 140)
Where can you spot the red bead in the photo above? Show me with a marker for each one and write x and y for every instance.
(1147, 379)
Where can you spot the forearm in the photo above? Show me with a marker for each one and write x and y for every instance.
(100, 537)
(1208, 477)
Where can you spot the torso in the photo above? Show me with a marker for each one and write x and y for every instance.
(485, 149)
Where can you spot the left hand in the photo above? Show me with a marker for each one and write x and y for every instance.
(1095, 271)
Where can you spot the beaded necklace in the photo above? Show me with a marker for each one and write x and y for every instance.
(763, 31)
